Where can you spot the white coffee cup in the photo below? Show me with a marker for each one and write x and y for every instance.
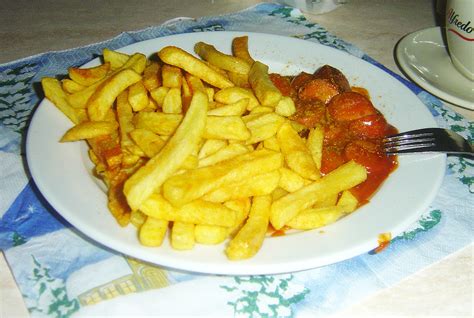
(460, 35)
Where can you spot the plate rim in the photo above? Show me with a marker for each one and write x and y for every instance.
(234, 268)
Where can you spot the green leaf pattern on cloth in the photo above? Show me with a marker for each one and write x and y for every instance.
(265, 296)
(16, 96)
(52, 298)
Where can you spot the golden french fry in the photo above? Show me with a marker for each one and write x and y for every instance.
(125, 117)
(322, 216)
(240, 49)
(236, 109)
(195, 212)
(250, 237)
(137, 218)
(210, 93)
(278, 193)
(210, 234)
(54, 92)
(149, 142)
(242, 208)
(187, 95)
(348, 202)
(116, 201)
(265, 90)
(290, 180)
(193, 184)
(69, 86)
(153, 231)
(263, 127)
(151, 76)
(224, 61)
(329, 200)
(136, 62)
(285, 107)
(316, 217)
(159, 123)
(182, 236)
(211, 146)
(138, 96)
(259, 184)
(297, 155)
(342, 178)
(79, 99)
(89, 129)
(116, 59)
(152, 106)
(240, 80)
(172, 76)
(191, 162)
(175, 56)
(186, 138)
(259, 110)
(158, 94)
(228, 127)
(234, 94)
(103, 98)
(172, 104)
(88, 76)
(315, 144)
(225, 153)
(195, 83)
(271, 143)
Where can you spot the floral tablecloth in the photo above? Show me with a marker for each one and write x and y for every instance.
(61, 273)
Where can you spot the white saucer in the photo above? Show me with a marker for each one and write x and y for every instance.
(423, 56)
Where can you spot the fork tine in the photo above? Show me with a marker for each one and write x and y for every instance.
(413, 147)
(427, 140)
(412, 141)
(409, 135)
(409, 141)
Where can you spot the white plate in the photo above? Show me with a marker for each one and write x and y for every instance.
(423, 56)
(62, 171)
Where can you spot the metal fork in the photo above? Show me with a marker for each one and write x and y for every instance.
(428, 140)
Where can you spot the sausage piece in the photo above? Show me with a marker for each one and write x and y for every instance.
(349, 106)
(318, 89)
(299, 80)
(335, 76)
(372, 127)
(309, 113)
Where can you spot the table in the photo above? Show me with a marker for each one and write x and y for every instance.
(374, 26)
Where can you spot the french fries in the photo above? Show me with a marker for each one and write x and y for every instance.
(240, 49)
(89, 129)
(182, 59)
(343, 178)
(224, 61)
(88, 76)
(250, 237)
(297, 155)
(190, 185)
(201, 149)
(264, 89)
(155, 172)
(105, 95)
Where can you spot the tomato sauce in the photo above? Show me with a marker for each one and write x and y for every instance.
(353, 127)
